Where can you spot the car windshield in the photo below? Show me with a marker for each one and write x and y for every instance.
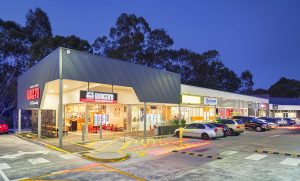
(210, 125)
(2, 122)
(239, 121)
(230, 121)
(256, 120)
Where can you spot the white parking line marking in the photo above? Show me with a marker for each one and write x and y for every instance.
(38, 161)
(21, 153)
(228, 153)
(275, 135)
(68, 156)
(290, 161)
(256, 157)
(4, 166)
(3, 176)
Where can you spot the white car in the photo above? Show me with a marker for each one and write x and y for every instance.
(203, 131)
(281, 122)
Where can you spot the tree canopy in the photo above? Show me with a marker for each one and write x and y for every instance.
(131, 39)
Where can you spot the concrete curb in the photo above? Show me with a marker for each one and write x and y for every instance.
(96, 159)
(198, 155)
(42, 144)
(278, 153)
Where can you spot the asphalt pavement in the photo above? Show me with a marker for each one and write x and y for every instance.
(271, 155)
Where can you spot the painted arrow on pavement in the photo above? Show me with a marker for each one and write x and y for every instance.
(21, 153)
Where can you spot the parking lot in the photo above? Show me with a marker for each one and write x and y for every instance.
(270, 155)
(239, 159)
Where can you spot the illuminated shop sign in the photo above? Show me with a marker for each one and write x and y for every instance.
(188, 99)
(210, 101)
(33, 95)
(103, 97)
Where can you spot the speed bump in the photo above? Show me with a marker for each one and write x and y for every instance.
(198, 155)
(278, 153)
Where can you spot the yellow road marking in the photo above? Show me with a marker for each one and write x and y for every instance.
(142, 154)
(86, 169)
(125, 145)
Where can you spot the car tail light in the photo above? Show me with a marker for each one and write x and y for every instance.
(238, 126)
(0, 126)
(216, 129)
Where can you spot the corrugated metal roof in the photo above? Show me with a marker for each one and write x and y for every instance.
(44, 71)
(150, 85)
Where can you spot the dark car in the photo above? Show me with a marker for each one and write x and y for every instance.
(3, 127)
(289, 121)
(224, 127)
(252, 123)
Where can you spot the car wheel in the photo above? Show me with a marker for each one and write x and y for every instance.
(205, 136)
(258, 129)
(231, 132)
(177, 134)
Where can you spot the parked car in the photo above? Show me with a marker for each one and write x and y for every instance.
(270, 121)
(236, 127)
(289, 121)
(223, 126)
(281, 122)
(3, 127)
(199, 130)
(252, 123)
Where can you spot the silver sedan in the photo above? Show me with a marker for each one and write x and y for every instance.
(199, 130)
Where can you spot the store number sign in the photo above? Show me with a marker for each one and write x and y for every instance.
(102, 97)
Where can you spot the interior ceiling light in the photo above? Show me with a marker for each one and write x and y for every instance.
(51, 91)
(65, 86)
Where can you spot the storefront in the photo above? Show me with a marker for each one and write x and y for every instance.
(220, 104)
(70, 90)
(285, 108)
(195, 108)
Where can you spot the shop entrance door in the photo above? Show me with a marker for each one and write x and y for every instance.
(206, 113)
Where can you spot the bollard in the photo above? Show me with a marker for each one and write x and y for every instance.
(180, 135)
(83, 132)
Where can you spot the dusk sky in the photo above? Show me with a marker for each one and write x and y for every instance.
(262, 36)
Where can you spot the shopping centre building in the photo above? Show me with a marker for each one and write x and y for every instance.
(69, 89)
(285, 107)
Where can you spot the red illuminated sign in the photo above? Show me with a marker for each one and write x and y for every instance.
(33, 93)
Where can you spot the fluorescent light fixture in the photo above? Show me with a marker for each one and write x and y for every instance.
(66, 86)
(51, 91)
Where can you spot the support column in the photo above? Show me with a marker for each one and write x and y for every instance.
(179, 114)
(145, 120)
(60, 104)
(86, 121)
(39, 123)
(19, 120)
(129, 118)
